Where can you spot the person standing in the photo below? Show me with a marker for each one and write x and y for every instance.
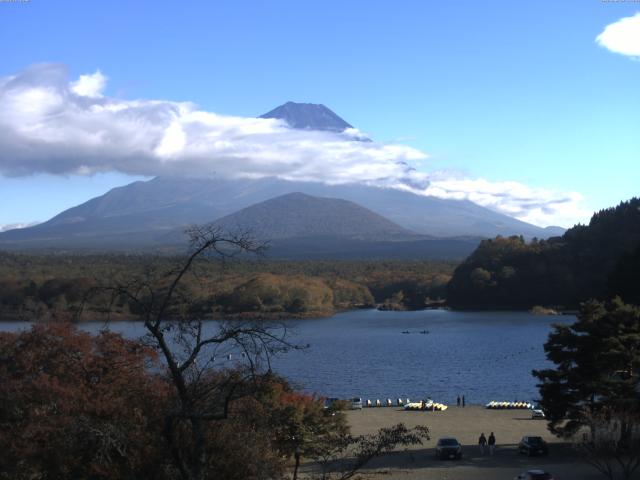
(492, 443)
(482, 442)
(463, 402)
(458, 400)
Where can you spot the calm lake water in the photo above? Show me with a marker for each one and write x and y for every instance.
(483, 355)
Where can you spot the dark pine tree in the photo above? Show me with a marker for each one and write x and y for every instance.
(597, 361)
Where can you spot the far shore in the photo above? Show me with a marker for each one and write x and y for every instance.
(277, 316)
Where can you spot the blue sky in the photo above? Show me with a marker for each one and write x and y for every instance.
(491, 92)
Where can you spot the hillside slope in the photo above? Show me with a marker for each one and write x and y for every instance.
(141, 213)
(589, 261)
(300, 215)
(300, 226)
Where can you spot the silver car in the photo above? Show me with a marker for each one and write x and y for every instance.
(537, 414)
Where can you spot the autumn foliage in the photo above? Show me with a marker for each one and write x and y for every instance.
(83, 406)
(73, 405)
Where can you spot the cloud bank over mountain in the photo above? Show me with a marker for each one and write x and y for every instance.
(51, 124)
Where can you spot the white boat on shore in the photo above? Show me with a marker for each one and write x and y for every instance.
(429, 405)
(493, 405)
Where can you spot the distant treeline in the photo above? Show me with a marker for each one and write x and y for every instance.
(63, 286)
(599, 260)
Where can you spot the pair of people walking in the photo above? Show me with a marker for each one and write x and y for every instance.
(463, 401)
(483, 442)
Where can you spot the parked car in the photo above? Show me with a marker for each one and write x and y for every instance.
(534, 475)
(448, 448)
(531, 445)
(537, 413)
(356, 403)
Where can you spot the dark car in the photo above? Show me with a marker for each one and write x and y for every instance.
(534, 475)
(533, 446)
(448, 448)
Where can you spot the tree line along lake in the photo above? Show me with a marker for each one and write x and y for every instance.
(417, 354)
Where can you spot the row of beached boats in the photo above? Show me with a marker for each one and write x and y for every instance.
(508, 405)
(386, 403)
(429, 405)
(408, 405)
(440, 407)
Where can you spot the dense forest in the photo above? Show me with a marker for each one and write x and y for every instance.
(59, 286)
(599, 260)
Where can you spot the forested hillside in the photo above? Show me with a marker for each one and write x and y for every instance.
(598, 260)
(55, 287)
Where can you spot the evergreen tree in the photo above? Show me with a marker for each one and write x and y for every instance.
(597, 361)
(625, 279)
(596, 261)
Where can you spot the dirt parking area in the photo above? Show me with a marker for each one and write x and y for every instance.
(466, 424)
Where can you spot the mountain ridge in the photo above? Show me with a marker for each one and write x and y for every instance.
(155, 207)
(140, 214)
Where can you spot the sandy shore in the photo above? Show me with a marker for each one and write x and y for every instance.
(466, 424)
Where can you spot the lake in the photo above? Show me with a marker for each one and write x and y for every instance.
(482, 355)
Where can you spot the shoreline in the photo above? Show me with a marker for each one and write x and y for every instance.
(282, 316)
(465, 423)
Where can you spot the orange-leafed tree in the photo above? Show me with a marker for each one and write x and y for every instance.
(75, 405)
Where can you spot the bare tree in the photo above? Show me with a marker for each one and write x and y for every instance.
(211, 365)
(344, 457)
(612, 445)
(193, 350)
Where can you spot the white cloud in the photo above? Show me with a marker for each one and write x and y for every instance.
(534, 205)
(91, 85)
(49, 124)
(13, 226)
(622, 36)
